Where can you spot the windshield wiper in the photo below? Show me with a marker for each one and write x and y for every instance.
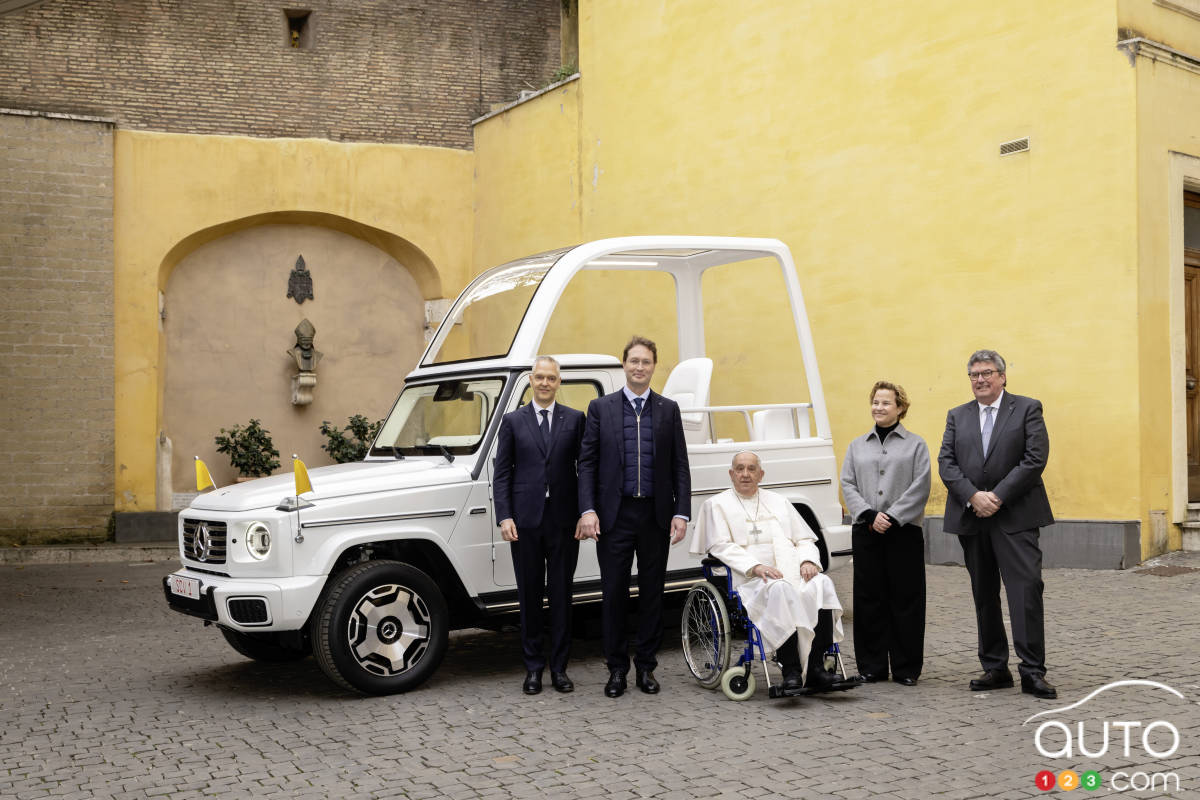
(441, 448)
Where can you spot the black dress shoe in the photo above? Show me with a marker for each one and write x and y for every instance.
(820, 680)
(792, 680)
(533, 682)
(561, 682)
(1038, 686)
(992, 679)
(869, 677)
(905, 681)
(645, 681)
(616, 684)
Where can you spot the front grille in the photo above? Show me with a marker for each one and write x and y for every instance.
(249, 611)
(204, 541)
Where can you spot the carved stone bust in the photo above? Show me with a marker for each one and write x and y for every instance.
(304, 353)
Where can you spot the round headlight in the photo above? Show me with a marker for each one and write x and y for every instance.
(258, 540)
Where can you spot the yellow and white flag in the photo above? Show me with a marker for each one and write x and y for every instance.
(303, 484)
(203, 477)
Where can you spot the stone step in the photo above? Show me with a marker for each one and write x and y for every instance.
(1191, 539)
(109, 552)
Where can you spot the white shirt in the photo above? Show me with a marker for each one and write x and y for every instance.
(537, 413)
(983, 414)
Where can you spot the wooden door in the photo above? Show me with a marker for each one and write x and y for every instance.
(1192, 306)
(1191, 281)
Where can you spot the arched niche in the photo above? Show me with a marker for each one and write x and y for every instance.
(228, 324)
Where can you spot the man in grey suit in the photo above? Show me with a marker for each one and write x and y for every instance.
(992, 457)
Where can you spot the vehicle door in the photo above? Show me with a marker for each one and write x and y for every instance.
(577, 390)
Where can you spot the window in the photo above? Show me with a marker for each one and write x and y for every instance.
(299, 32)
(576, 394)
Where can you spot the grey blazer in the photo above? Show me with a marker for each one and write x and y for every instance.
(1012, 469)
(891, 476)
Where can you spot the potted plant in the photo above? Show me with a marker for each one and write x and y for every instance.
(343, 448)
(250, 450)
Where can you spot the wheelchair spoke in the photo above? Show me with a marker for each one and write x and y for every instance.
(706, 635)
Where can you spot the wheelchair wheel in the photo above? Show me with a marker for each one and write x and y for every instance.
(738, 683)
(706, 637)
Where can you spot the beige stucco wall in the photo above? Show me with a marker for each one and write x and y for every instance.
(228, 323)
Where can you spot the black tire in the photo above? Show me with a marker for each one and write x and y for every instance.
(705, 635)
(823, 549)
(264, 646)
(380, 628)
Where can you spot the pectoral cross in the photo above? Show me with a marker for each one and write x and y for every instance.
(755, 531)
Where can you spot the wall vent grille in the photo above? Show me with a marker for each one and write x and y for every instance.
(1015, 146)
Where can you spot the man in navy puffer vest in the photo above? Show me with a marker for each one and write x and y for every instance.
(635, 490)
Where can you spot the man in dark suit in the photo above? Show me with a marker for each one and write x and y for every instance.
(536, 490)
(635, 489)
(992, 457)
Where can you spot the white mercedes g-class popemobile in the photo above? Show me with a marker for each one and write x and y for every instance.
(371, 569)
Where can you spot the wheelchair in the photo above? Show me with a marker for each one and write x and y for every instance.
(711, 618)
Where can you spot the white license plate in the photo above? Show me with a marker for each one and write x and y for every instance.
(185, 587)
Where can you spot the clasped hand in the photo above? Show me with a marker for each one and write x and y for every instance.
(985, 504)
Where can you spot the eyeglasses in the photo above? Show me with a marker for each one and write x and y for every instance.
(982, 374)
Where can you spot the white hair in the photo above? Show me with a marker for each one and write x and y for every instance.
(757, 460)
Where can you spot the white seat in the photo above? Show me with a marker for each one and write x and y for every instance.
(688, 385)
(773, 424)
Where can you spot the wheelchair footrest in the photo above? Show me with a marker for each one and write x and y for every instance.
(776, 692)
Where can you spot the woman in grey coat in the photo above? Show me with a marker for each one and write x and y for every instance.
(885, 483)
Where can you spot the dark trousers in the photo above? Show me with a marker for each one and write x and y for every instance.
(789, 652)
(635, 533)
(1016, 557)
(544, 562)
(889, 601)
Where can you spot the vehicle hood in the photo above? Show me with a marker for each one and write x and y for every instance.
(337, 480)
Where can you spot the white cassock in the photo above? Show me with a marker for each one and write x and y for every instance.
(744, 533)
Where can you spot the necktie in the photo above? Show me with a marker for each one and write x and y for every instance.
(637, 406)
(987, 427)
(545, 426)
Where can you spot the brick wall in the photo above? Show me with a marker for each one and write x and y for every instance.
(412, 72)
(56, 328)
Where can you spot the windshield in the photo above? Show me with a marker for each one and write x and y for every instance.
(484, 321)
(452, 414)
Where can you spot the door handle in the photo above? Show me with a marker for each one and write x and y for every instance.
(1191, 383)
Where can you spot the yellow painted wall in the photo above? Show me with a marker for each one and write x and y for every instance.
(527, 192)
(176, 192)
(1168, 120)
(866, 137)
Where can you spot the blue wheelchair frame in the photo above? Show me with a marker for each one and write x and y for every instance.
(715, 568)
(741, 687)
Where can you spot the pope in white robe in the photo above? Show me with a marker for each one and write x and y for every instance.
(774, 563)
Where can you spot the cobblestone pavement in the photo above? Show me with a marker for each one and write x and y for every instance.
(106, 693)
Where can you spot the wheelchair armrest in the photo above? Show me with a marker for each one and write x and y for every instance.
(709, 561)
